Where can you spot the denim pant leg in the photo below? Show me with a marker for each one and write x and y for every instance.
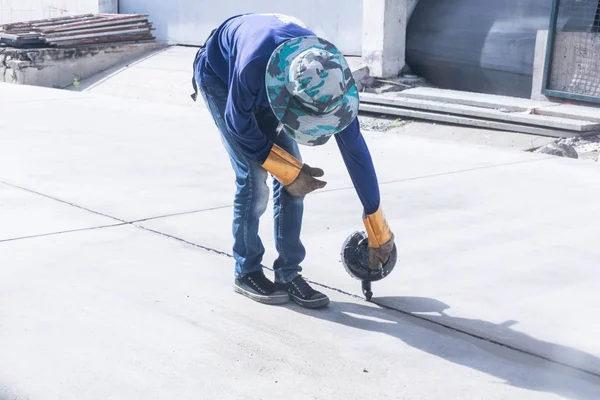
(288, 210)
(252, 194)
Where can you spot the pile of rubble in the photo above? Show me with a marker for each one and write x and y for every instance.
(584, 148)
(87, 29)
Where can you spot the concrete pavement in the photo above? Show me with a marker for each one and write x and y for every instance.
(114, 205)
(492, 236)
(120, 313)
(163, 76)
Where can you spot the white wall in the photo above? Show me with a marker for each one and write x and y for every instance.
(24, 10)
(190, 21)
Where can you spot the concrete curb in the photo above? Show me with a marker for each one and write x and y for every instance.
(59, 68)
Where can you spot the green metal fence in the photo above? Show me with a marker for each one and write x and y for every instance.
(572, 68)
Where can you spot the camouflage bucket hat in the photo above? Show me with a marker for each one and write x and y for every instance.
(311, 90)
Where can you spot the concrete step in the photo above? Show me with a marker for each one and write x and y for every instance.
(482, 112)
(590, 113)
(504, 103)
(460, 120)
(472, 99)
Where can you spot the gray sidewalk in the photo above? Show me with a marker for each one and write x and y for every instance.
(115, 279)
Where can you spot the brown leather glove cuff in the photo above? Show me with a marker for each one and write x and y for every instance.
(378, 230)
(282, 165)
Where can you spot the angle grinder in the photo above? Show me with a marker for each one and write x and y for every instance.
(355, 257)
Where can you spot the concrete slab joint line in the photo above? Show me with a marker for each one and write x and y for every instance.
(92, 228)
(121, 221)
(485, 338)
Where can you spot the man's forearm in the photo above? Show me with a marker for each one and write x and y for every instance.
(359, 164)
(282, 165)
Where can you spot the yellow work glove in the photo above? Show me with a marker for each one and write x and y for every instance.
(380, 237)
(297, 178)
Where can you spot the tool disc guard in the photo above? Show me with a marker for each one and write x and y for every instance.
(355, 257)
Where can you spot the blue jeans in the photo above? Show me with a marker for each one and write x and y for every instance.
(252, 196)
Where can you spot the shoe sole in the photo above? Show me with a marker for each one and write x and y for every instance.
(318, 303)
(271, 300)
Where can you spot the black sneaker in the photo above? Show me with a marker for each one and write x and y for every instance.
(301, 292)
(258, 287)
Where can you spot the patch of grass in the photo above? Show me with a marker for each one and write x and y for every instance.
(398, 123)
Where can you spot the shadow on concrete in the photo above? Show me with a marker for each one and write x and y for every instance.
(537, 374)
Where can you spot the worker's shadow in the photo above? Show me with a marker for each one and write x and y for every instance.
(540, 376)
